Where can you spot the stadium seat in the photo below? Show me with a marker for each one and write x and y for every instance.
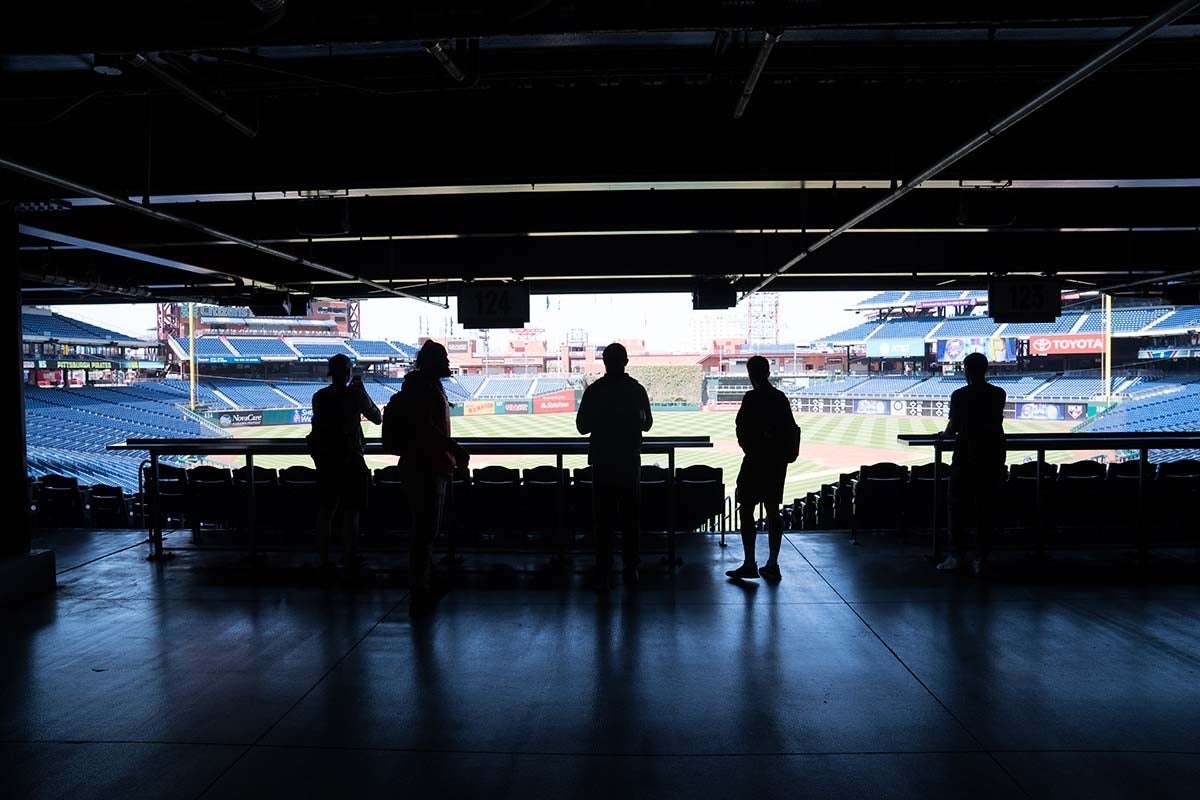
(580, 519)
(1020, 495)
(298, 502)
(879, 496)
(1176, 500)
(918, 506)
(495, 494)
(654, 504)
(388, 510)
(215, 505)
(266, 498)
(59, 501)
(825, 506)
(811, 503)
(699, 496)
(1078, 494)
(170, 491)
(540, 498)
(843, 500)
(107, 507)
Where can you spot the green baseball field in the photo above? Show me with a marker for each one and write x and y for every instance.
(831, 443)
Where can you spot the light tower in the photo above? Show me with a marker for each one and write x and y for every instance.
(763, 318)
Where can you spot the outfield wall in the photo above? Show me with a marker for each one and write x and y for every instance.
(924, 407)
(562, 402)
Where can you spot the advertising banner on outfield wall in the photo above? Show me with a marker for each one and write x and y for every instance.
(559, 402)
(240, 419)
(895, 348)
(998, 350)
(512, 406)
(873, 407)
(479, 408)
(910, 408)
(1041, 411)
(1065, 343)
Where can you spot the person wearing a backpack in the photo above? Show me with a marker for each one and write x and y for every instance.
(769, 437)
(429, 458)
(336, 445)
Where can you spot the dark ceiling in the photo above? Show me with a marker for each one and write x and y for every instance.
(366, 147)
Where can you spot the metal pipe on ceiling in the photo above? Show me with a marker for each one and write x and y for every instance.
(760, 62)
(143, 63)
(1124, 44)
(137, 255)
(163, 216)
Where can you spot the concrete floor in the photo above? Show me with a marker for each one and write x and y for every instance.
(863, 674)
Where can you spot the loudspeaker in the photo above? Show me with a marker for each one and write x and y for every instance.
(713, 295)
(323, 216)
(270, 304)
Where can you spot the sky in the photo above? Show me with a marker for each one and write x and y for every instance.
(665, 321)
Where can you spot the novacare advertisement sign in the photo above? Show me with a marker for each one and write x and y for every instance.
(1065, 343)
(895, 348)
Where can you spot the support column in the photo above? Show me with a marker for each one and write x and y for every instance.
(14, 538)
(22, 573)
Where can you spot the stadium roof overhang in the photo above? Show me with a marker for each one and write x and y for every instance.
(591, 147)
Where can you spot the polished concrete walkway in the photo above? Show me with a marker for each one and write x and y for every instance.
(863, 674)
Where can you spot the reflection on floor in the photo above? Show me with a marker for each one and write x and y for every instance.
(864, 673)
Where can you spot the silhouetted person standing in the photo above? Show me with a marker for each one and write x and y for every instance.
(336, 444)
(977, 470)
(428, 461)
(615, 411)
(764, 427)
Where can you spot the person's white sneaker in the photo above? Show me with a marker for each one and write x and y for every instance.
(951, 563)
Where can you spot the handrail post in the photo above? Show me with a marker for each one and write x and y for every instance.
(1140, 528)
(671, 515)
(156, 535)
(937, 496)
(252, 510)
(1038, 507)
(560, 504)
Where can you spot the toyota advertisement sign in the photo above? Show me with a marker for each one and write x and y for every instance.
(1065, 344)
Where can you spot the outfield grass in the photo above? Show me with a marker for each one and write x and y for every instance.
(831, 443)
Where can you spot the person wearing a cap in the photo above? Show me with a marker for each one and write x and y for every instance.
(615, 411)
(336, 444)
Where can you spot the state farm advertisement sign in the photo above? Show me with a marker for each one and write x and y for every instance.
(1064, 343)
(555, 403)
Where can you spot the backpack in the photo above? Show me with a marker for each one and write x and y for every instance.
(792, 444)
(790, 437)
(396, 426)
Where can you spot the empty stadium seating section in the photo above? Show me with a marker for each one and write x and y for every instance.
(68, 430)
(36, 323)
